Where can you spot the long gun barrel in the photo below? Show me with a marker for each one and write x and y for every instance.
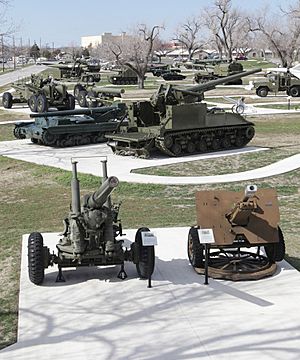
(210, 85)
(92, 111)
(99, 197)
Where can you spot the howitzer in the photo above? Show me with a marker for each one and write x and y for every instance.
(90, 236)
(71, 127)
(177, 122)
(238, 221)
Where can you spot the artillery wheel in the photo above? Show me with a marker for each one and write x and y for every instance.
(294, 91)
(42, 103)
(195, 249)
(77, 89)
(32, 103)
(35, 258)
(70, 102)
(276, 251)
(82, 99)
(146, 255)
(262, 91)
(7, 100)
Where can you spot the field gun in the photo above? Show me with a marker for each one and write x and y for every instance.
(176, 121)
(71, 127)
(238, 221)
(90, 236)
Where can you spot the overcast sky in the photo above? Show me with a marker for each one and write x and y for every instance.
(63, 22)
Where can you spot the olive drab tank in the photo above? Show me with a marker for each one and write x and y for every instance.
(177, 122)
(71, 128)
(125, 76)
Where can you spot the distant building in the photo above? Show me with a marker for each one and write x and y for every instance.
(105, 38)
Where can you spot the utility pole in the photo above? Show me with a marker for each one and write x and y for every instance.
(2, 49)
(14, 52)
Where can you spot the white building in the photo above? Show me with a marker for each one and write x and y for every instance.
(105, 38)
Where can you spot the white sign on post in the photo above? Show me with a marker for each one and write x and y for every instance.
(148, 238)
(206, 236)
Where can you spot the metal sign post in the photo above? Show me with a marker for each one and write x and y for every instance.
(206, 237)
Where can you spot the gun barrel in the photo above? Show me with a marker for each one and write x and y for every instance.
(213, 83)
(99, 197)
(108, 90)
(90, 111)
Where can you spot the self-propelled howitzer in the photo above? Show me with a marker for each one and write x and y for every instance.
(72, 127)
(176, 122)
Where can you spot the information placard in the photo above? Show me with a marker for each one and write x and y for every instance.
(206, 236)
(148, 238)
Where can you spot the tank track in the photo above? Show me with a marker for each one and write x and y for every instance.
(70, 140)
(246, 134)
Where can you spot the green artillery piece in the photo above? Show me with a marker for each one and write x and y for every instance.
(176, 122)
(238, 222)
(211, 72)
(85, 70)
(95, 96)
(125, 76)
(40, 94)
(90, 236)
(71, 128)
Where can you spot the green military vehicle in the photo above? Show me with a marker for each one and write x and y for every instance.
(276, 81)
(221, 70)
(176, 122)
(125, 76)
(40, 94)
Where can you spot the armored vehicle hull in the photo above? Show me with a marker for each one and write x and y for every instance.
(176, 122)
(70, 128)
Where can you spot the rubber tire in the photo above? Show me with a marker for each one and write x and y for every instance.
(70, 102)
(32, 103)
(295, 91)
(262, 91)
(7, 100)
(276, 251)
(81, 99)
(195, 249)
(146, 256)
(77, 89)
(42, 104)
(35, 258)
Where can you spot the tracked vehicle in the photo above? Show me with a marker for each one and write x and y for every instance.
(90, 236)
(176, 122)
(235, 226)
(71, 128)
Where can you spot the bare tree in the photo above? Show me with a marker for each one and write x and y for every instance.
(281, 32)
(135, 51)
(227, 26)
(187, 35)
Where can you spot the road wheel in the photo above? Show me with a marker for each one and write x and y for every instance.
(226, 143)
(276, 251)
(77, 89)
(82, 99)
(48, 138)
(195, 249)
(215, 144)
(70, 102)
(168, 141)
(262, 91)
(294, 91)
(176, 149)
(42, 104)
(191, 147)
(250, 132)
(35, 258)
(201, 146)
(32, 103)
(7, 100)
(145, 255)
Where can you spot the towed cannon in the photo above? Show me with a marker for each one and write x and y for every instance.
(71, 127)
(176, 122)
(237, 222)
(95, 96)
(90, 236)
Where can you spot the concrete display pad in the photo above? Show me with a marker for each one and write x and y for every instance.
(121, 166)
(94, 315)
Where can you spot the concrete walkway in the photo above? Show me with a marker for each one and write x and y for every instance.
(122, 166)
(94, 315)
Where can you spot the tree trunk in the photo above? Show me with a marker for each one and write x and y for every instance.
(141, 82)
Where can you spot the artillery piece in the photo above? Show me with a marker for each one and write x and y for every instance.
(40, 93)
(238, 222)
(175, 121)
(90, 236)
(96, 96)
(71, 128)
